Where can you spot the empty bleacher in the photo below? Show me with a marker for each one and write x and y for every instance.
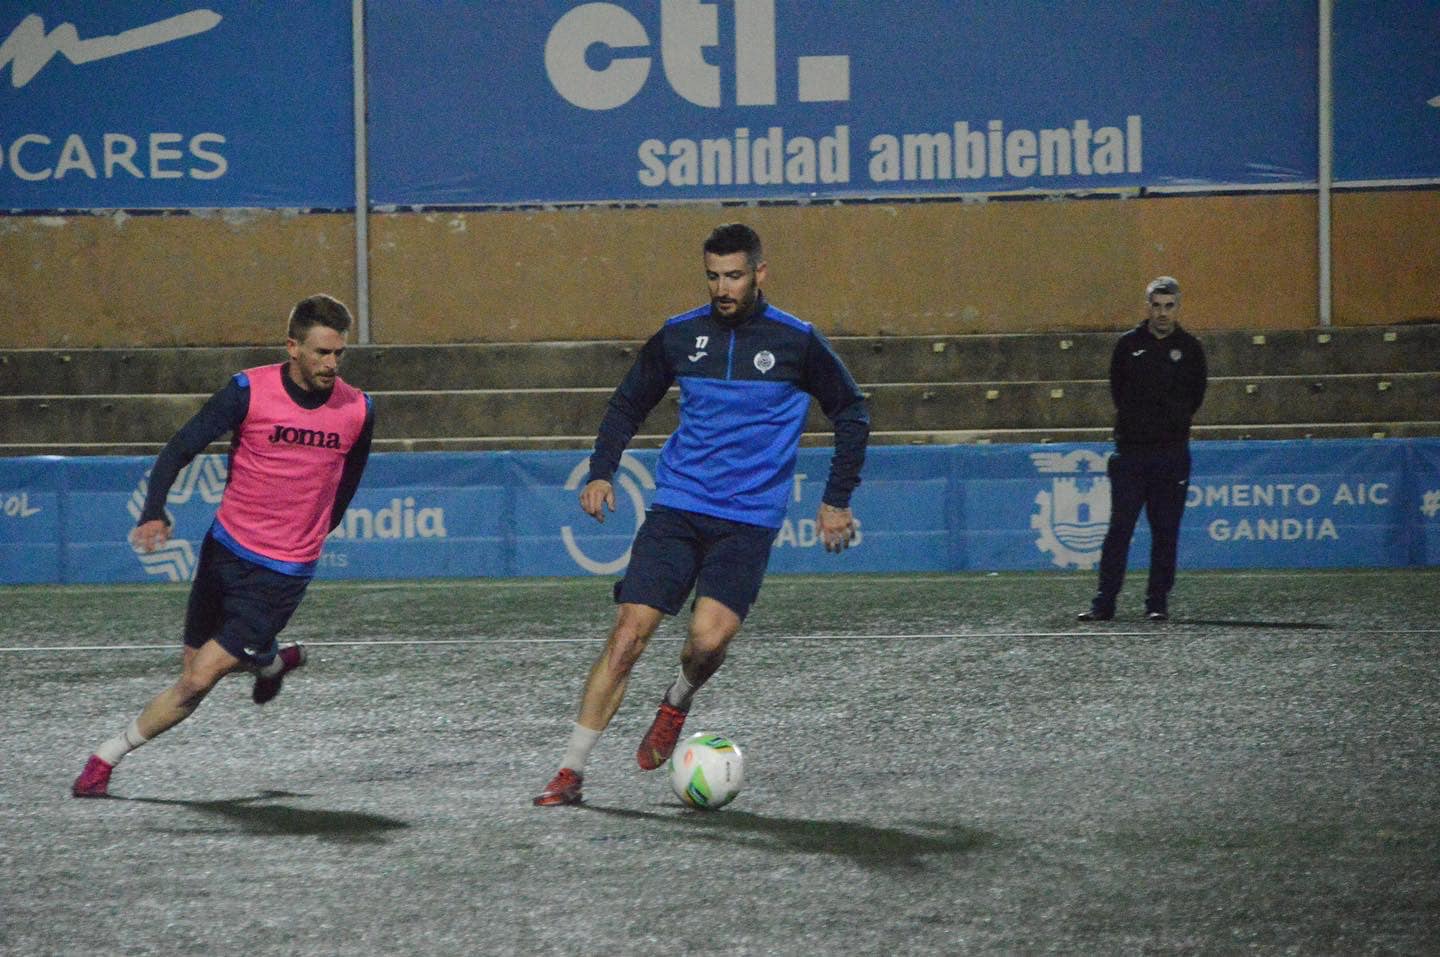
(1374, 381)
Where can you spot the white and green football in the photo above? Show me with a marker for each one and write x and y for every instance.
(707, 771)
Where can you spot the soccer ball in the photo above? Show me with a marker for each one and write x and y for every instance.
(707, 771)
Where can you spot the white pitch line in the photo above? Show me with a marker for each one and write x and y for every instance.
(1037, 576)
(422, 642)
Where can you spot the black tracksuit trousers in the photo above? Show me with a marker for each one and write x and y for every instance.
(1156, 479)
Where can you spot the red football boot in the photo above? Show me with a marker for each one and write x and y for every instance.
(564, 788)
(659, 741)
(291, 657)
(94, 781)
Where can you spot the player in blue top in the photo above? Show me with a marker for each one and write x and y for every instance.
(746, 372)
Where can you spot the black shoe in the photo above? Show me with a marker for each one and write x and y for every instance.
(1157, 614)
(1096, 614)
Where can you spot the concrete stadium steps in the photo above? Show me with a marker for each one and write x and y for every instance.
(1077, 356)
(373, 368)
(1380, 403)
(1006, 388)
(978, 358)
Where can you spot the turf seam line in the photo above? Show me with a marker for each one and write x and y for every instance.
(409, 642)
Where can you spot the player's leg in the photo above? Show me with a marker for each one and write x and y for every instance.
(610, 674)
(201, 671)
(235, 611)
(712, 626)
(731, 573)
(604, 690)
(254, 604)
(203, 619)
(1127, 498)
(663, 563)
(1164, 508)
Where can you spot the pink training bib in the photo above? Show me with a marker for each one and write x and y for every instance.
(286, 467)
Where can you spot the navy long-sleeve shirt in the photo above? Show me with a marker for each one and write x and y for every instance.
(745, 393)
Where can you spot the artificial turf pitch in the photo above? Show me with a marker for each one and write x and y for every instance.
(943, 764)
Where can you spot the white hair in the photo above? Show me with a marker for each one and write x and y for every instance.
(1164, 285)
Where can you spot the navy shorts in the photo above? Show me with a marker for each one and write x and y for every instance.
(676, 551)
(240, 604)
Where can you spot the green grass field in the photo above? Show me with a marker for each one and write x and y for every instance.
(942, 764)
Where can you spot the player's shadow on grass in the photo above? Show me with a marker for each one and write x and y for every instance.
(865, 844)
(1267, 625)
(261, 819)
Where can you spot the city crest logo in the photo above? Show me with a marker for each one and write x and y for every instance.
(1073, 514)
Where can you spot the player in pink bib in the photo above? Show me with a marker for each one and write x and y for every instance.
(300, 438)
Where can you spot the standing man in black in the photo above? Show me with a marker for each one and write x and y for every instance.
(1157, 381)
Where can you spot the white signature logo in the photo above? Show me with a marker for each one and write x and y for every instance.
(28, 47)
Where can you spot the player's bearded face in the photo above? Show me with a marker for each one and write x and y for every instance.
(734, 284)
(315, 362)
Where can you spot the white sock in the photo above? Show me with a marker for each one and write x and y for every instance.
(681, 693)
(582, 742)
(122, 744)
(272, 669)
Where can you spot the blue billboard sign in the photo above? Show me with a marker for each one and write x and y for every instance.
(1336, 503)
(166, 105)
(687, 100)
(155, 104)
(1387, 91)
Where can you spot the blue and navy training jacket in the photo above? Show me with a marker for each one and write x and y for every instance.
(745, 393)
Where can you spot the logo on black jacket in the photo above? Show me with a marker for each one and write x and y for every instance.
(764, 360)
(293, 436)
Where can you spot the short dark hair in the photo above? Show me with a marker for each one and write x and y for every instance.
(318, 310)
(729, 238)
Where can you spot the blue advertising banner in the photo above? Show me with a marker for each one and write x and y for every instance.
(684, 100)
(163, 105)
(31, 521)
(155, 104)
(1422, 500)
(1387, 90)
(1297, 506)
(1337, 503)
